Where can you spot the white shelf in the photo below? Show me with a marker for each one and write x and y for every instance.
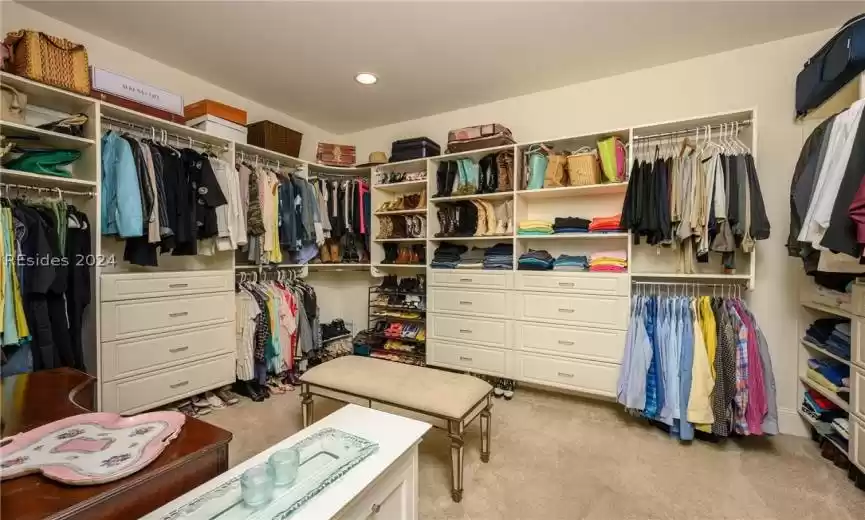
(837, 311)
(572, 236)
(45, 137)
(131, 116)
(48, 97)
(43, 181)
(405, 240)
(693, 276)
(338, 170)
(496, 238)
(573, 191)
(404, 164)
(401, 187)
(821, 350)
(473, 154)
(338, 266)
(264, 153)
(483, 196)
(401, 266)
(832, 396)
(421, 211)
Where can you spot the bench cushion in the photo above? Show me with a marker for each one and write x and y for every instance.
(436, 392)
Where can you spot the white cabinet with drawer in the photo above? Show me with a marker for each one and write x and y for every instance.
(486, 331)
(141, 355)
(132, 286)
(137, 394)
(461, 356)
(570, 341)
(584, 283)
(573, 309)
(469, 302)
(857, 392)
(471, 279)
(132, 318)
(586, 376)
(857, 443)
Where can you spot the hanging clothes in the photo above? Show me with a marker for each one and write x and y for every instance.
(698, 363)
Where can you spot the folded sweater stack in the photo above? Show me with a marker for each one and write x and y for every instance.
(535, 261)
(472, 259)
(609, 261)
(606, 223)
(571, 263)
(570, 225)
(830, 374)
(535, 227)
(833, 334)
(447, 255)
(500, 256)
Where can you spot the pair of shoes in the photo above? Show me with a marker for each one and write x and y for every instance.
(251, 389)
(395, 177)
(410, 254)
(391, 253)
(504, 388)
(446, 176)
(459, 219)
(413, 284)
(186, 408)
(329, 252)
(203, 405)
(227, 396)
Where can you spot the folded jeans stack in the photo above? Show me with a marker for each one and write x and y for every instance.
(833, 334)
(570, 225)
(500, 256)
(830, 374)
(447, 255)
(472, 259)
(604, 224)
(609, 261)
(535, 227)
(536, 261)
(571, 263)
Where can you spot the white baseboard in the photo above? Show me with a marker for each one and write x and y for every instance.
(791, 423)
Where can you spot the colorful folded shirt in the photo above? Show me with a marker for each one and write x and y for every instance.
(606, 223)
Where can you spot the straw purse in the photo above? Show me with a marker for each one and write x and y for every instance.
(583, 168)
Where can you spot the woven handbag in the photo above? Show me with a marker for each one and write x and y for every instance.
(50, 60)
(583, 169)
(556, 176)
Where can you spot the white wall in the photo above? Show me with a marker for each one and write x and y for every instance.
(761, 76)
(115, 58)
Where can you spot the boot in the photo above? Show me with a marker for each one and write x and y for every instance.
(481, 219)
(509, 208)
(335, 252)
(501, 212)
(490, 212)
(441, 179)
(404, 256)
(452, 173)
(493, 175)
(505, 163)
(418, 254)
(441, 213)
(422, 204)
(390, 255)
(324, 253)
(483, 169)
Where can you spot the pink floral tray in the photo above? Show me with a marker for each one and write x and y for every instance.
(92, 448)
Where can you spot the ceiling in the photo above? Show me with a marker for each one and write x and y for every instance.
(301, 57)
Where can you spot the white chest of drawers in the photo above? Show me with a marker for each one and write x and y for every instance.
(563, 330)
(164, 336)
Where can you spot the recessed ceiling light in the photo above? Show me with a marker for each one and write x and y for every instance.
(366, 78)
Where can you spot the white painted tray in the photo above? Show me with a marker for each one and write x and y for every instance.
(324, 457)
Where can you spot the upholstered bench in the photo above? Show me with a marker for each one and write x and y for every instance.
(455, 398)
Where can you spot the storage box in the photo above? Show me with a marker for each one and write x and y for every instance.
(130, 89)
(216, 109)
(272, 136)
(138, 107)
(335, 154)
(219, 127)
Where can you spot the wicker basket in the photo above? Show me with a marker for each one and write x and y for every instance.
(272, 136)
(583, 167)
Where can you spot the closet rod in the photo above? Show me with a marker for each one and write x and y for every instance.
(701, 128)
(47, 190)
(264, 160)
(696, 284)
(153, 132)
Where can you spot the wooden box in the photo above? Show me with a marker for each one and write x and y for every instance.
(208, 107)
(272, 136)
(335, 154)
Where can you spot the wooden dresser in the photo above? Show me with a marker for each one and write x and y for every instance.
(199, 454)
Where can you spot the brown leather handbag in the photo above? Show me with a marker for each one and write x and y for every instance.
(50, 60)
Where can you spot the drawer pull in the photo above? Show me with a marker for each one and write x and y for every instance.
(465, 331)
(463, 302)
(465, 358)
(565, 374)
(178, 314)
(565, 342)
(178, 349)
(178, 385)
(566, 310)
(468, 280)
(177, 285)
(566, 284)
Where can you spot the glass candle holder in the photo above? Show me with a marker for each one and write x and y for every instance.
(256, 485)
(285, 464)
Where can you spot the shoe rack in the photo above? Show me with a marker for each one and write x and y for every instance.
(397, 320)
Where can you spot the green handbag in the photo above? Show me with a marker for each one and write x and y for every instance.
(45, 162)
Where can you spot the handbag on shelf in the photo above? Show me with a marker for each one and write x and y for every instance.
(45, 162)
(583, 167)
(536, 159)
(49, 60)
(12, 104)
(556, 176)
(613, 158)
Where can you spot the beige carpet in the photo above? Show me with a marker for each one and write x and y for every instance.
(559, 457)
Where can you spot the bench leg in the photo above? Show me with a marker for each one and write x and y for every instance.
(455, 432)
(486, 420)
(307, 405)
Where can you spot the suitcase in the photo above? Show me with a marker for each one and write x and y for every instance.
(415, 148)
(837, 63)
(478, 137)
